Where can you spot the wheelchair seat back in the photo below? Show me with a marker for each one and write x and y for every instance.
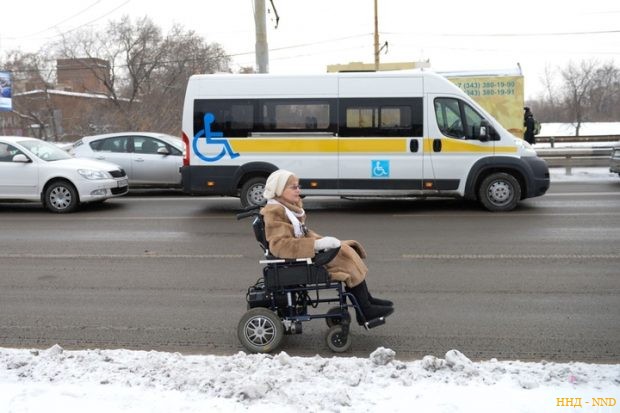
(259, 232)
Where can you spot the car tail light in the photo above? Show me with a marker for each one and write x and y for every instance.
(186, 153)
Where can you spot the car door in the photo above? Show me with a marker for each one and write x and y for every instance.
(149, 167)
(17, 179)
(116, 150)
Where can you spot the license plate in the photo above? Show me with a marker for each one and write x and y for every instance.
(122, 183)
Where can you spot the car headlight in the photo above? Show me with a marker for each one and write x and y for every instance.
(94, 174)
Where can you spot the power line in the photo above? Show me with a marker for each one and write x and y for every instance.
(61, 22)
(295, 46)
(579, 33)
(94, 20)
(69, 18)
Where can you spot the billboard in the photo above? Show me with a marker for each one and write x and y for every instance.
(5, 91)
(501, 95)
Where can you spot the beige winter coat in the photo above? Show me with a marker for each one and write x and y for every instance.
(348, 265)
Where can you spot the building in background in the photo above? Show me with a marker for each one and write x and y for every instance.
(72, 108)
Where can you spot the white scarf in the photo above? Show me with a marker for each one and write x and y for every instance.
(293, 217)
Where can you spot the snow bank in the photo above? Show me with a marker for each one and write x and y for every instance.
(55, 380)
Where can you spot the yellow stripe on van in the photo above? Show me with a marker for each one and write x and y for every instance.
(461, 146)
(284, 145)
(506, 149)
(373, 145)
(319, 145)
(357, 145)
(464, 146)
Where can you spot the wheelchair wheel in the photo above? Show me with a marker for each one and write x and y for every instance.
(338, 340)
(338, 317)
(260, 330)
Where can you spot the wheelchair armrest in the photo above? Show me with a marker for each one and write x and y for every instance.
(325, 256)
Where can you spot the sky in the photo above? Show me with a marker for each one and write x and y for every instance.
(477, 35)
(102, 381)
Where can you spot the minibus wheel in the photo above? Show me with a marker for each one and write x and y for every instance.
(251, 193)
(499, 191)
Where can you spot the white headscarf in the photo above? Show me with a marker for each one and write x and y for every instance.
(276, 182)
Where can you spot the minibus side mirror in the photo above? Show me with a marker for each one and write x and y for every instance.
(485, 132)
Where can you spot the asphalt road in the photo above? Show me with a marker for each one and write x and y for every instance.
(166, 272)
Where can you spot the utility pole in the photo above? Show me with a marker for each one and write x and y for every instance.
(262, 51)
(377, 50)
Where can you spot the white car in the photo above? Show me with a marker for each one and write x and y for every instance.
(614, 160)
(35, 170)
(150, 159)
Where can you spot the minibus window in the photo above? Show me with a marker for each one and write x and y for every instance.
(448, 115)
(456, 118)
(381, 117)
(472, 120)
(301, 116)
(296, 115)
(234, 118)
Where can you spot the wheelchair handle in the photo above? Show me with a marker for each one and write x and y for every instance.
(250, 211)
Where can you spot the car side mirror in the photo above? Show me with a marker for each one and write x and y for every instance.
(163, 151)
(20, 157)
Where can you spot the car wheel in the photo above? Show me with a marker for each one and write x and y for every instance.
(252, 192)
(61, 197)
(499, 192)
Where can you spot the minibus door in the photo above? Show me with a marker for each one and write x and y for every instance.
(453, 143)
(380, 165)
(380, 144)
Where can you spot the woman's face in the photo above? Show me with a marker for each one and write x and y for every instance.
(292, 191)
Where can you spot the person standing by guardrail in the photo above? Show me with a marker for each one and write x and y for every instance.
(530, 124)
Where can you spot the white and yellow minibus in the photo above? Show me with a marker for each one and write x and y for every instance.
(380, 134)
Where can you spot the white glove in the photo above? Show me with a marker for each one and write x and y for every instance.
(326, 243)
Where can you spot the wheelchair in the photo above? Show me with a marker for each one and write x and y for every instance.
(289, 294)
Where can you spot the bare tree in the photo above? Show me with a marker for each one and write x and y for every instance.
(32, 71)
(578, 83)
(185, 54)
(604, 97)
(148, 72)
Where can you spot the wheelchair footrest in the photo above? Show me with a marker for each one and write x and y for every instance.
(374, 323)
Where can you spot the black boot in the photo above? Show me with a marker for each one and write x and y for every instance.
(377, 301)
(369, 311)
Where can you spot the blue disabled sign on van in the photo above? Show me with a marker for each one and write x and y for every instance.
(380, 168)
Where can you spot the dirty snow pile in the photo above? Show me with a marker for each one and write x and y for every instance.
(57, 380)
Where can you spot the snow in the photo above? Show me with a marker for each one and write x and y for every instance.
(587, 129)
(591, 174)
(57, 380)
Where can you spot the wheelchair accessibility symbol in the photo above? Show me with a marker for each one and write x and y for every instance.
(380, 169)
(212, 138)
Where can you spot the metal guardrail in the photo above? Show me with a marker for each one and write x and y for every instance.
(563, 139)
(575, 157)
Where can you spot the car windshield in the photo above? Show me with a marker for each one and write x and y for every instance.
(44, 150)
(173, 140)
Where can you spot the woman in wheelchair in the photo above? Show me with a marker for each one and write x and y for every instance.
(288, 237)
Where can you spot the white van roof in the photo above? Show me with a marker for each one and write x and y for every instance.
(403, 83)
